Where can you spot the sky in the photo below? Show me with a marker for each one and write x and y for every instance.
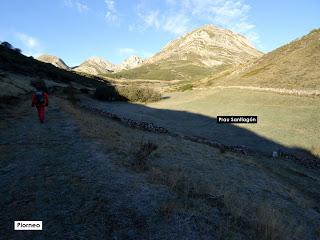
(115, 29)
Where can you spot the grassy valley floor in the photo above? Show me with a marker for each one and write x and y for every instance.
(286, 119)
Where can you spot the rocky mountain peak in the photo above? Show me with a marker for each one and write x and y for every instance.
(98, 60)
(98, 65)
(53, 60)
(209, 46)
(131, 62)
(95, 65)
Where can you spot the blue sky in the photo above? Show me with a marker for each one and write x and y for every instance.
(114, 29)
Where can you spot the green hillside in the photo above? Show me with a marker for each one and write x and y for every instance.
(168, 70)
(292, 66)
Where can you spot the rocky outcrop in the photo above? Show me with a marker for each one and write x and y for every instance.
(53, 60)
(131, 62)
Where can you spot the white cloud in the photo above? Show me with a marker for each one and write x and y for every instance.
(80, 7)
(112, 13)
(180, 16)
(177, 24)
(243, 27)
(28, 41)
(151, 19)
(171, 2)
(31, 45)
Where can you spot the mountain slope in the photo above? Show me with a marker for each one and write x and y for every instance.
(209, 46)
(18, 71)
(53, 60)
(195, 55)
(292, 66)
(95, 66)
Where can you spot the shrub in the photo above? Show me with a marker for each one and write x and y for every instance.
(107, 93)
(6, 45)
(186, 87)
(136, 94)
(141, 156)
(17, 50)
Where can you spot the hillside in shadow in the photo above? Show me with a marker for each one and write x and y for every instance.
(27, 70)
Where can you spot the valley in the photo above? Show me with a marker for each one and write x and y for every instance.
(134, 151)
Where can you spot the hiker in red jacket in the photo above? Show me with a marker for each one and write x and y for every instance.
(40, 100)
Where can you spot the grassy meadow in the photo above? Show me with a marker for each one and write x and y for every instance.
(166, 70)
(286, 119)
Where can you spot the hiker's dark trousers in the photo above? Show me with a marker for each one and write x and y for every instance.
(41, 111)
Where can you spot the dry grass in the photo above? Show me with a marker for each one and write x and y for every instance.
(168, 208)
(251, 192)
(71, 93)
(185, 87)
(292, 66)
(266, 221)
(258, 70)
(140, 157)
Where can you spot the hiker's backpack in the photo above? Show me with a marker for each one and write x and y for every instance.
(40, 97)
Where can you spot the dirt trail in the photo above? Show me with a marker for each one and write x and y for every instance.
(50, 173)
(72, 173)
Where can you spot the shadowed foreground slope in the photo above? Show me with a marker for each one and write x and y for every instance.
(86, 176)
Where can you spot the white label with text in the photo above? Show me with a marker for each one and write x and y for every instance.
(28, 225)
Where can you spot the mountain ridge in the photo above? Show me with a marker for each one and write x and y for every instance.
(99, 65)
(93, 65)
(54, 60)
(195, 55)
(197, 41)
